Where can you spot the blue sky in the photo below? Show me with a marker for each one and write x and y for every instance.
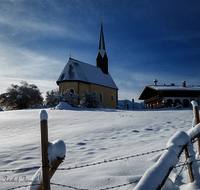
(145, 40)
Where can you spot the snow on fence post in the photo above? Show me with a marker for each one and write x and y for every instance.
(196, 115)
(44, 147)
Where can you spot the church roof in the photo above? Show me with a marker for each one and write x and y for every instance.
(76, 70)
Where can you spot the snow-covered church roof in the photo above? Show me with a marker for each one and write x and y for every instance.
(76, 70)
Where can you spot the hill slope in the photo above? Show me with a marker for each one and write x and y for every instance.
(90, 136)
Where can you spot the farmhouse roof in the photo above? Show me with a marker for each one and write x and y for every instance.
(174, 88)
(151, 90)
(76, 70)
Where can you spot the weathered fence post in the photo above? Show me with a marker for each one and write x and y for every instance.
(189, 165)
(196, 115)
(44, 147)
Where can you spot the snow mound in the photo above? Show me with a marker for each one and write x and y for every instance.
(64, 106)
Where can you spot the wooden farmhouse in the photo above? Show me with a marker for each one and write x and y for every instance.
(158, 96)
(80, 77)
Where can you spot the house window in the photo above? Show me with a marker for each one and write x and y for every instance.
(95, 95)
(101, 96)
(72, 90)
(186, 103)
(112, 97)
(177, 102)
(169, 102)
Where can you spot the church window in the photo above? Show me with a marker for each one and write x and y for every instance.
(112, 97)
(101, 96)
(72, 90)
(95, 95)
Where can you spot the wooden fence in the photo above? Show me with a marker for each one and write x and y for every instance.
(181, 141)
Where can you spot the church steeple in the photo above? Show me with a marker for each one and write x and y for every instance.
(102, 59)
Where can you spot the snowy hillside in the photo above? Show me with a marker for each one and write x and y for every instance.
(91, 135)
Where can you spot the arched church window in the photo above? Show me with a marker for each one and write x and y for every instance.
(112, 97)
(72, 90)
(95, 95)
(101, 96)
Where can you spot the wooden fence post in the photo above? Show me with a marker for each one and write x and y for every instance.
(189, 165)
(44, 147)
(196, 115)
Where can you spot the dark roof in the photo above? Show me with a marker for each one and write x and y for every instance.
(169, 90)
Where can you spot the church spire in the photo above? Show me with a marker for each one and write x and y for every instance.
(102, 59)
(101, 42)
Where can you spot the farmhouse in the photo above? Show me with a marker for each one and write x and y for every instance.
(158, 96)
(80, 77)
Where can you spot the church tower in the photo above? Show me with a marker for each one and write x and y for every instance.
(102, 59)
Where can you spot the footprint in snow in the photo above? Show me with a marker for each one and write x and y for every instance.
(135, 131)
(81, 144)
(148, 129)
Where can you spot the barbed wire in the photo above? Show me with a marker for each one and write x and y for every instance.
(120, 185)
(71, 187)
(19, 169)
(185, 163)
(111, 160)
(93, 164)
(22, 186)
(195, 140)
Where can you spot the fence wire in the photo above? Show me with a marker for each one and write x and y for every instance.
(97, 163)
(19, 169)
(87, 165)
(185, 163)
(112, 160)
(22, 186)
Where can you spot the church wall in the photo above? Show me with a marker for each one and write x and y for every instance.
(107, 93)
(68, 85)
(81, 87)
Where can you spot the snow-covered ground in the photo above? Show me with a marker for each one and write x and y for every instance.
(91, 135)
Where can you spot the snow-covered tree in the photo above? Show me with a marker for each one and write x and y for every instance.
(89, 100)
(53, 98)
(21, 97)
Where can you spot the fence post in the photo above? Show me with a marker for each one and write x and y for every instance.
(189, 165)
(44, 147)
(196, 115)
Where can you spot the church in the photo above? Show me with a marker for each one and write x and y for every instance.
(80, 77)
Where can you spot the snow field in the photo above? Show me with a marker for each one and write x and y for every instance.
(91, 135)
